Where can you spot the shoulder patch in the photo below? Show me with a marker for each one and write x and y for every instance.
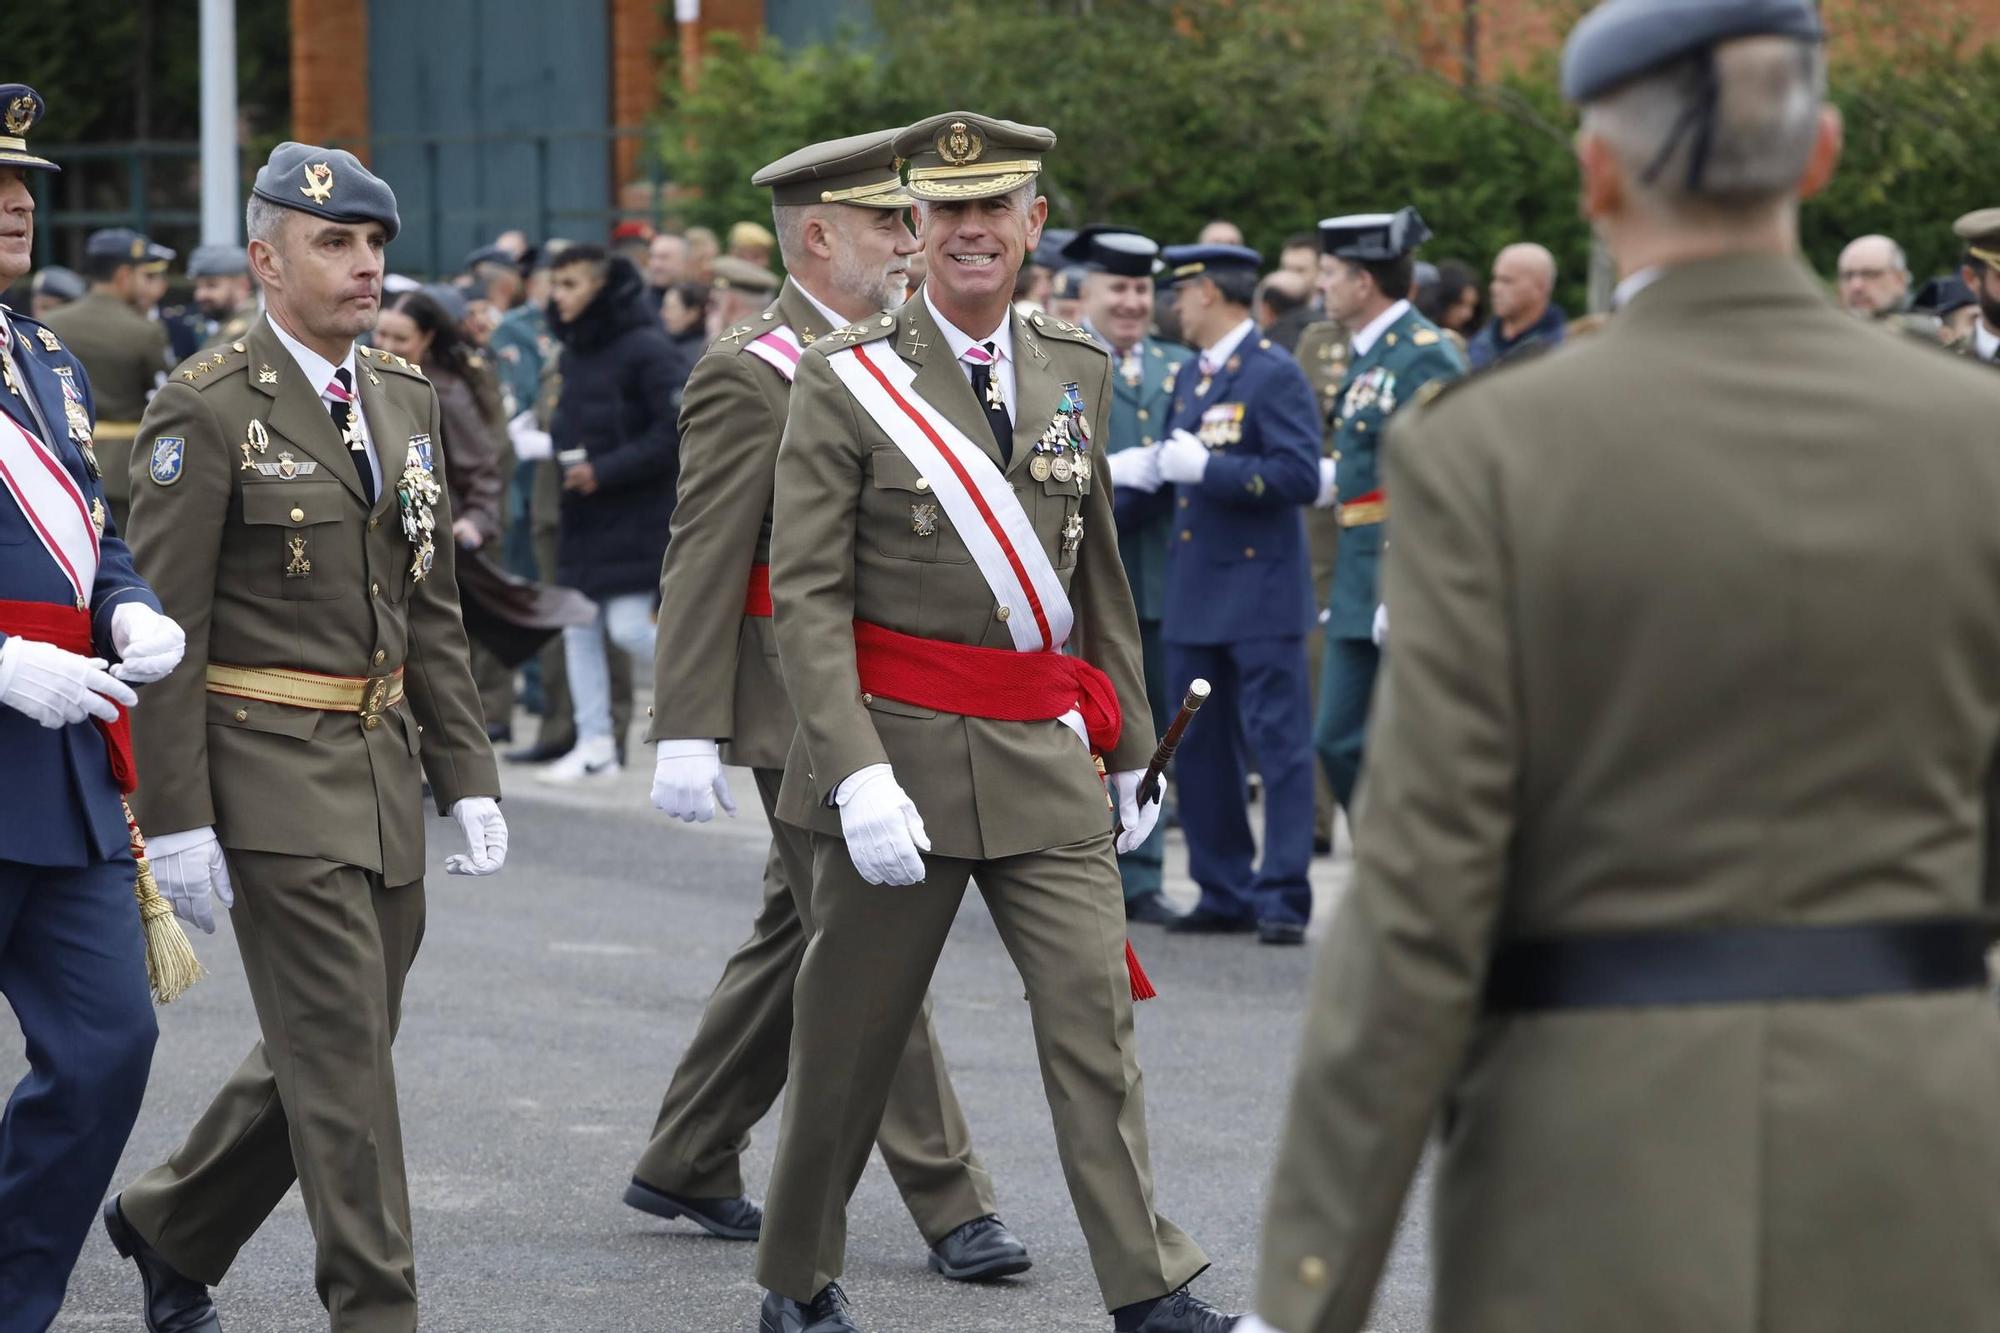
(169, 455)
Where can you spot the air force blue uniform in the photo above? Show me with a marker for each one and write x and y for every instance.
(1239, 606)
(72, 951)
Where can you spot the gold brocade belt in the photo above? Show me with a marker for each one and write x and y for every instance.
(367, 695)
(115, 432)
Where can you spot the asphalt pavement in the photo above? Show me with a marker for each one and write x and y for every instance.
(544, 1017)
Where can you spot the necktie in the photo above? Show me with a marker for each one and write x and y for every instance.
(341, 391)
(980, 361)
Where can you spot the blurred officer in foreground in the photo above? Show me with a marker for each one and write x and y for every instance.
(1677, 826)
(72, 954)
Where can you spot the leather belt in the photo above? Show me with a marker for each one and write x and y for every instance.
(367, 695)
(1747, 965)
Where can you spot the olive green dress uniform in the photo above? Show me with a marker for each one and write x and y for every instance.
(716, 675)
(1017, 806)
(125, 355)
(233, 329)
(1738, 715)
(250, 516)
(1322, 354)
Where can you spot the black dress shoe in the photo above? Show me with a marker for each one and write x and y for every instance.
(1151, 908)
(1322, 846)
(1280, 932)
(541, 752)
(1202, 921)
(825, 1313)
(729, 1219)
(980, 1251)
(1184, 1312)
(174, 1304)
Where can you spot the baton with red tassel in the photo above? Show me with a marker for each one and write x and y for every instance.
(1151, 788)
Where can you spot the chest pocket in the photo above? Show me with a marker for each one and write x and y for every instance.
(299, 546)
(1057, 510)
(902, 515)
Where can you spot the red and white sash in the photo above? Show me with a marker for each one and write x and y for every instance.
(53, 504)
(975, 496)
(780, 349)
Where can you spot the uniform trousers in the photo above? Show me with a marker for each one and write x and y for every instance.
(735, 1067)
(1141, 868)
(1260, 704)
(862, 985)
(73, 969)
(1347, 683)
(325, 949)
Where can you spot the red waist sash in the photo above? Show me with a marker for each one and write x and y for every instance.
(997, 683)
(757, 602)
(69, 629)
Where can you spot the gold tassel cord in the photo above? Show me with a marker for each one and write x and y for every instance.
(171, 965)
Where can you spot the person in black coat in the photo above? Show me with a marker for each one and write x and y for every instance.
(615, 438)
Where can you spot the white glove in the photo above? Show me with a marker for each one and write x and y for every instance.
(149, 644)
(1329, 492)
(485, 837)
(1183, 459)
(885, 834)
(189, 867)
(1137, 469)
(57, 688)
(1250, 1323)
(1135, 817)
(1380, 632)
(530, 441)
(688, 783)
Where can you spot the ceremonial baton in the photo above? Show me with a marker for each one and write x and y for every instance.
(1150, 786)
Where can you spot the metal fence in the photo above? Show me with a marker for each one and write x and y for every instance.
(152, 186)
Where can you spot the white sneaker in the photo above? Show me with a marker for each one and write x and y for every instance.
(590, 759)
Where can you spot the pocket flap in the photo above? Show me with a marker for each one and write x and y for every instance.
(894, 472)
(293, 504)
(227, 710)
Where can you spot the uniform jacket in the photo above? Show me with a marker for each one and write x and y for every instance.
(62, 805)
(716, 672)
(1410, 354)
(845, 545)
(234, 327)
(126, 354)
(1692, 627)
(1237, 566)
(217, 543)
(519, 344)
(620, 378)
(1322, 354)
(1139, 418)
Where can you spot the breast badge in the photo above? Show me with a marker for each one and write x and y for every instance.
(924, 520)
(299, 566)
(256, 440)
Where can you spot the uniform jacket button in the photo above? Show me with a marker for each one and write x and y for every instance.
(242, 715)
(867, 698)
(1186, 535)
(374, 523)
(1249, 553)
(372, 723)
(1312, 1270)
(1002, 613)
(374, 590)
(298, 516)
(380, 657)
(1184, 502)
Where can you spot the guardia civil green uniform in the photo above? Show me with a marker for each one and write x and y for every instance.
(325, 681)
(716, 677)
(1676, 828)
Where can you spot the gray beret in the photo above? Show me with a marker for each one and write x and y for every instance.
(450, 299)
(218, 261)
(1622, 39)
(62, 283)
(328, 183)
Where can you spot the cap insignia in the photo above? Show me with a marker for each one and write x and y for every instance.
(20, 115)
(319, 183)
(959, 144)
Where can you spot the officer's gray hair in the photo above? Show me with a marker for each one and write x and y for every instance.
(1768, 92)
(789, 222)
(264, 220)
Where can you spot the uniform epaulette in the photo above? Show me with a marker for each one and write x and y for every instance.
(1052, 327)
(208, 366)
(390, 361)
(1437, 390)
(872, 329)
(45, 337)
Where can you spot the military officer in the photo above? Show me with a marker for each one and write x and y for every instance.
(1322, 354)
(124, 350)
(1675, 844)
(1242, 457)
(223, 292)
(1117, 294)
(1979, 233)
(718, 696)
(938, 489)
(1394, 352)
(291, 510)
(72, 954)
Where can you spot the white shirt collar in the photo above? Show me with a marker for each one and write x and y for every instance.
(958, 339)
(1624, 292)
(1215, 356)
(1364, 341)
(318, 370)
(1984, 341)
(833, 321)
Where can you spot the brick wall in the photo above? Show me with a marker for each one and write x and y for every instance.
(330, 72)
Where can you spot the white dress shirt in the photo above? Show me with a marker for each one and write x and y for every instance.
(833, 321)
(1622, 294)
(1002, 339)
(1371, 332)
(319, 373)
(1215, 356)
(1985, 341)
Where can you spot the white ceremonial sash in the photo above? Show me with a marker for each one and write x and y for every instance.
(780, 349)
(53, 504)
(975, 495)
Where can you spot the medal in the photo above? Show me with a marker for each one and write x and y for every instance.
(1061, 468)
(1038, 467)
(1083, 467)
(1072, 534)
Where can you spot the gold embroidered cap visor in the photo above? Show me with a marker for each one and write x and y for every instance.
(1980, 230)
(861, 169)
(20, 107)
(963, 155)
